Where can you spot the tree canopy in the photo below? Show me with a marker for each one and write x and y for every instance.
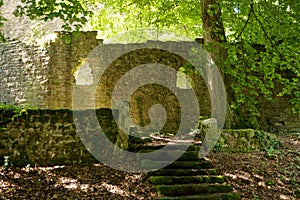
(260, 37)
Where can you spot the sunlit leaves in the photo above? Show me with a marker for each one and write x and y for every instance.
(72, 12)
(180, 16)
(264, 56)
(262, 36)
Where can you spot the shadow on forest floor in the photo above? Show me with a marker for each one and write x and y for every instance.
(264, 175)
(74, 182)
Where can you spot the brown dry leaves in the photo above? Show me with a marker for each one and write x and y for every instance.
(74, 182)
(257, 176)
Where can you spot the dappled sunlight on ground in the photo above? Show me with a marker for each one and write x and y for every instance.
(115, 189)
(263, 175)
(65, 182)
(258, 175)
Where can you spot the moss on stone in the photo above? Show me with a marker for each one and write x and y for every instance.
(168, 180)
(190, 165)
(191, 189)
(245, 141)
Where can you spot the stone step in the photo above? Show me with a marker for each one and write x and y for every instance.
(191, 189)
(224, 196)
(151, 164)
(189, 156)
(184, 172)
(201, 164)
(169, 180)
(169, 155)
(154, 147)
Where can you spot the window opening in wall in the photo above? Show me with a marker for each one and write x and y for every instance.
(183, 81)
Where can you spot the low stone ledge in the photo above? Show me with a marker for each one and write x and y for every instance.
(47, 137)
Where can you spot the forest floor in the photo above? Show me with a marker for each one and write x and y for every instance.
(263, 175)
(274, 174)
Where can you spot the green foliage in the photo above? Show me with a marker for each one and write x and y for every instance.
(297, 193)
(255, 197)
(203, 117)
(297, 135)
(6, 163)
(67, 39)
(271, 152)
(217, 147)
(266, 141)
(269, 183)
(262, 39)
(263, 58)
(113, 17)
(74, 13)
(268, 144)
(17, 110)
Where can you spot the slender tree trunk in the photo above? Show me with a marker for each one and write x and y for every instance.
(213, 29)
(214, 35)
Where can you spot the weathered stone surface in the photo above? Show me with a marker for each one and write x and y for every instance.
(246, 141)
(48, 137)
(45, 78)
(208, 126)
(236, 140)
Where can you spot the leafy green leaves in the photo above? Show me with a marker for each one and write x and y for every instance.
(72, 12)
(262, 37)
(263, 57)
(182, 17)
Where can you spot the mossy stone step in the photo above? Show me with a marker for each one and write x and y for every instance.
(201, 164)
(225, 196)
(169, 155)
(154, 147)
(141, 148)
(189, 156)
(169, 180)
(191, 189)
(184, 172)
(162, 156)
(152, 164)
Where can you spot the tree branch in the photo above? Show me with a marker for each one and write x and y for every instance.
(248, 19)
(271, 41)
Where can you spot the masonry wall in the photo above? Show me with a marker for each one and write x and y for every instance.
(24, 73)
(277, 117)
(147, 95)
(45, 78)
(65, 54)
(48, 137)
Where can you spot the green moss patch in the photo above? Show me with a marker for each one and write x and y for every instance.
(246, 141)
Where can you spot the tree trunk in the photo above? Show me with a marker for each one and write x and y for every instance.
(214, 40)
(213, 29)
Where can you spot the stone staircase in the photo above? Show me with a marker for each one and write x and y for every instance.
(188, 177)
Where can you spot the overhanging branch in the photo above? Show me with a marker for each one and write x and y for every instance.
(270, 40)
(246, 23)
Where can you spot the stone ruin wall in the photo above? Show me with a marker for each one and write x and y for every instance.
(24, 73)
(45, 78)
(49, 137)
